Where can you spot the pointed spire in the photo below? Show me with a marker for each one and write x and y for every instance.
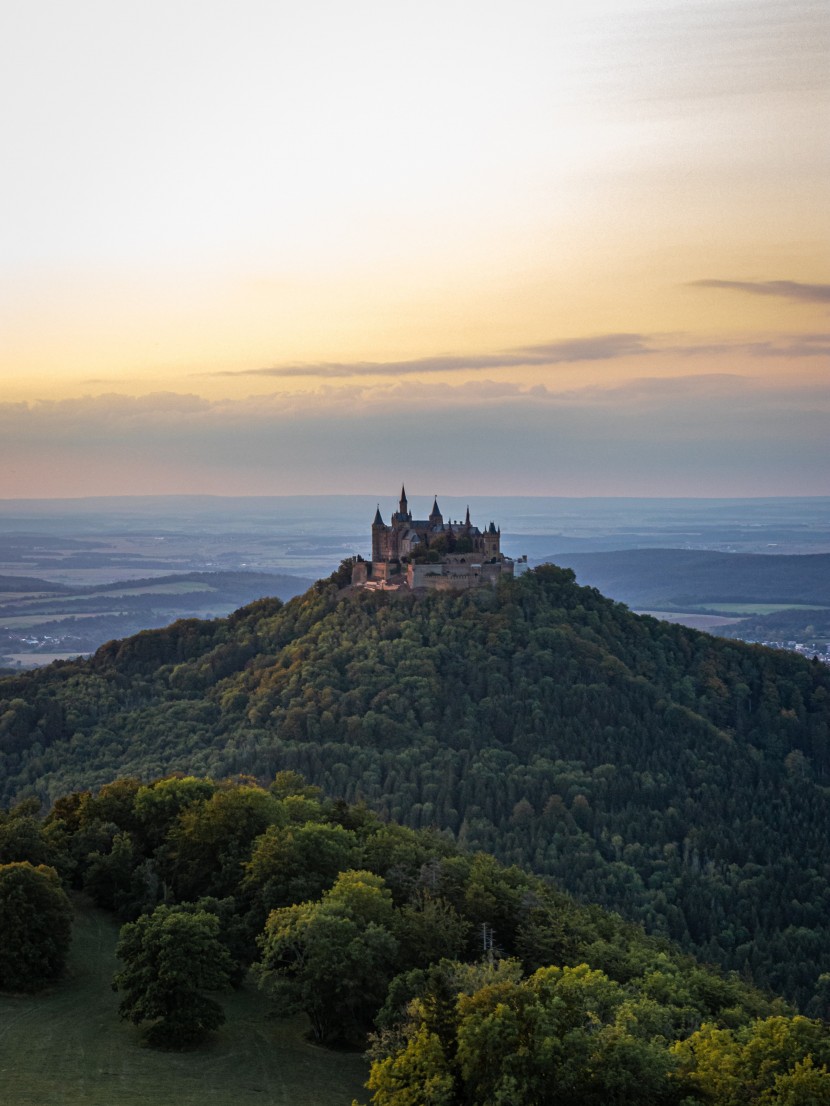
(378, 521)
(402, 505)
(467, 519)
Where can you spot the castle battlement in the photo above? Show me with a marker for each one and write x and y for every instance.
(431, 553)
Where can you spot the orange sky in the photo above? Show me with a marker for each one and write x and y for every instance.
(239, 235)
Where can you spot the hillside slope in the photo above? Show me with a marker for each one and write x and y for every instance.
(677, 777)
(652, 578)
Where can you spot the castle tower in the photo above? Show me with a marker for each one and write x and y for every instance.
(435, 516)
(492, 541)
(379, 540)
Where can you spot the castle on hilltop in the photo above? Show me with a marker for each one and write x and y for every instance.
(431, 553)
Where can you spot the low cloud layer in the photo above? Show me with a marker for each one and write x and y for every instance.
(715, 434)
(784, 289)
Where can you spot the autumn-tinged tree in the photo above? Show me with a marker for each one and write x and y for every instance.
(35, 925)
(566, 1035)
(170, 958)
(775, 1061)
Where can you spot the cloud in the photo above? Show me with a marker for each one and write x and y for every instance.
(720, 433)
(603, 347)
(785, 289)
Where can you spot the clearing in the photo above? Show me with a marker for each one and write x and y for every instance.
(68, 1047)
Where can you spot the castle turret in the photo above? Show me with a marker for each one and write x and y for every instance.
(379, 539)
(435, 516)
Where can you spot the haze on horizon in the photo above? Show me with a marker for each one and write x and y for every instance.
(272, 248)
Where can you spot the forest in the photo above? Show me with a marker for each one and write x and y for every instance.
(677, 778)
(472, 983)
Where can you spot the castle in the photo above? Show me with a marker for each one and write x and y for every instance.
(431, 553)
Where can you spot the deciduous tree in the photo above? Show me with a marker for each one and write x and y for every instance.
(170, 958)
(35, 924)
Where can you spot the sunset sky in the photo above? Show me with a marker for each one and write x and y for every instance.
(544, 247)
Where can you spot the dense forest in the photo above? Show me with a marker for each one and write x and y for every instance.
(679, 778)
(478, 984)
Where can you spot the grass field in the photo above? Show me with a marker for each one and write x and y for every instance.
(694, 619)
(69, 1048)
(183, 587)
(37, 660)
(760, 608)
(29, 621)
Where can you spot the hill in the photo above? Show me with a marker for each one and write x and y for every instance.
(771, 598)
(675, 579)
(348, 923)
(40, 619)
(677, 777)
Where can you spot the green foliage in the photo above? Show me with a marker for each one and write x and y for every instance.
(212, 840)
(678, 778)
(35, 923)
(333, 959)
(298, 862)
(772, 1062)
(376, 925)
(170, 958)
(569, 1035)
(65, 1045)
(575, 1037)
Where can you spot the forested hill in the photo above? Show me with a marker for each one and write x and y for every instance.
(680, 778)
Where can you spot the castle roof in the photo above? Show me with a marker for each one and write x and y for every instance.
(378, 521)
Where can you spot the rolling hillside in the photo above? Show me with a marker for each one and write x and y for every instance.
(677, 777)
(40, 619)
(679, 578)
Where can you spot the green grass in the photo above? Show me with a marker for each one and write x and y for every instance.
(183, 587)
(29, 621)
(68, 1047)
(758, 608)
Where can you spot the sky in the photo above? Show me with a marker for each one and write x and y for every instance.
(486, 248)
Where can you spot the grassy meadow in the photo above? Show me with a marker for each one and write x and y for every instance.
(68, 1047)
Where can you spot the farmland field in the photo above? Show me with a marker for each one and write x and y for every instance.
(760, 608)
(68, 1047)
(694, 619)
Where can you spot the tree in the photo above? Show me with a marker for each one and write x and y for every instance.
(334, 958)
(35, 923)
(565, 1035)
(773, 1061)
(170, 957)
(211, 840)
(296, 864)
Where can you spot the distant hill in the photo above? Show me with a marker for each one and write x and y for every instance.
(679, 578)
(680, 778)
(18, 584)
(39, 619)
